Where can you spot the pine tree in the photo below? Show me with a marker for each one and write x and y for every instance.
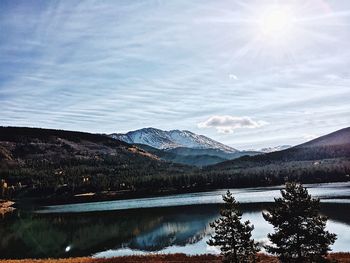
(233, 236)
(300, 234)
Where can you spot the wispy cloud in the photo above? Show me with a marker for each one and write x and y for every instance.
(104, 66)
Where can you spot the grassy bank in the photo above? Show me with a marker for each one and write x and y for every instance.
(174, 258)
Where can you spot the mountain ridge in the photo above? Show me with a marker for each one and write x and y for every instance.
(333, 145)
(339, 137)
(274, 148)
(161, 139)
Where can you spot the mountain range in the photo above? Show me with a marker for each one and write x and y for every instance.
(171, 139)
(181, 146)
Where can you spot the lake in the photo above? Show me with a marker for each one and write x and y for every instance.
(171, 224)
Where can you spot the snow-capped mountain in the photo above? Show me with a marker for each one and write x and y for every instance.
(274, 149)
(171, 139)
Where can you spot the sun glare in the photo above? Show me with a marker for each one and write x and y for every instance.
(276, 22)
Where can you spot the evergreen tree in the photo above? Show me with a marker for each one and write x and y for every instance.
(233, 236)
(300, 234)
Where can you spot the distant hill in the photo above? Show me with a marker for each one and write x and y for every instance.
(189, 156)
(196, 157)
(317, 160)
(211, 152)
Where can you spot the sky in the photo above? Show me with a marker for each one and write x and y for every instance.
(250, 74)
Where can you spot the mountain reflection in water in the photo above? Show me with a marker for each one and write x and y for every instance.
(114, 233)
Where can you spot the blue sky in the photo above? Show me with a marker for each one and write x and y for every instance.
(249, 74)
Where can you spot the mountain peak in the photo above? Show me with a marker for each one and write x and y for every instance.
(161, 139)
(149, 129)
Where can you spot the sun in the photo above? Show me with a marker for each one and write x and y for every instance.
(276, 23)
(279, 30)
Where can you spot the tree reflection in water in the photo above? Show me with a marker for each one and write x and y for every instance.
(24, 234)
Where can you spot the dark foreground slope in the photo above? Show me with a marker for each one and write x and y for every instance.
(326, 158)
(44, 162)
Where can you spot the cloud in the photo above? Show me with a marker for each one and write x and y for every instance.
(233, 76)
(100, 67)
(227, 123)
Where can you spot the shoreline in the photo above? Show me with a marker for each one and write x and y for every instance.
(6, 206)
(341, 257)
(92, 197)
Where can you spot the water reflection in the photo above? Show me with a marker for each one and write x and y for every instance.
(326, 191)
(168, 230)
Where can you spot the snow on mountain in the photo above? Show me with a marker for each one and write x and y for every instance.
(274, 149)
(171, 139)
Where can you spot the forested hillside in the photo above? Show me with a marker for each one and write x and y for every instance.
(54, 163)
(321, 160)
(42, 162)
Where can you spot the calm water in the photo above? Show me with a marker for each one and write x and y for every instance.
(171, 224)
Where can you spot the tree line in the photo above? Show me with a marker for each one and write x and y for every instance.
(108, 173)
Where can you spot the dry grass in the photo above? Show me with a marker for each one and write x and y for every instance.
(173, 258)
(340, 257)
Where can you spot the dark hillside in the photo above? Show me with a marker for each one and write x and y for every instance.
(43, 162)
(340, 137)
(334, 145)
(324, 159)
